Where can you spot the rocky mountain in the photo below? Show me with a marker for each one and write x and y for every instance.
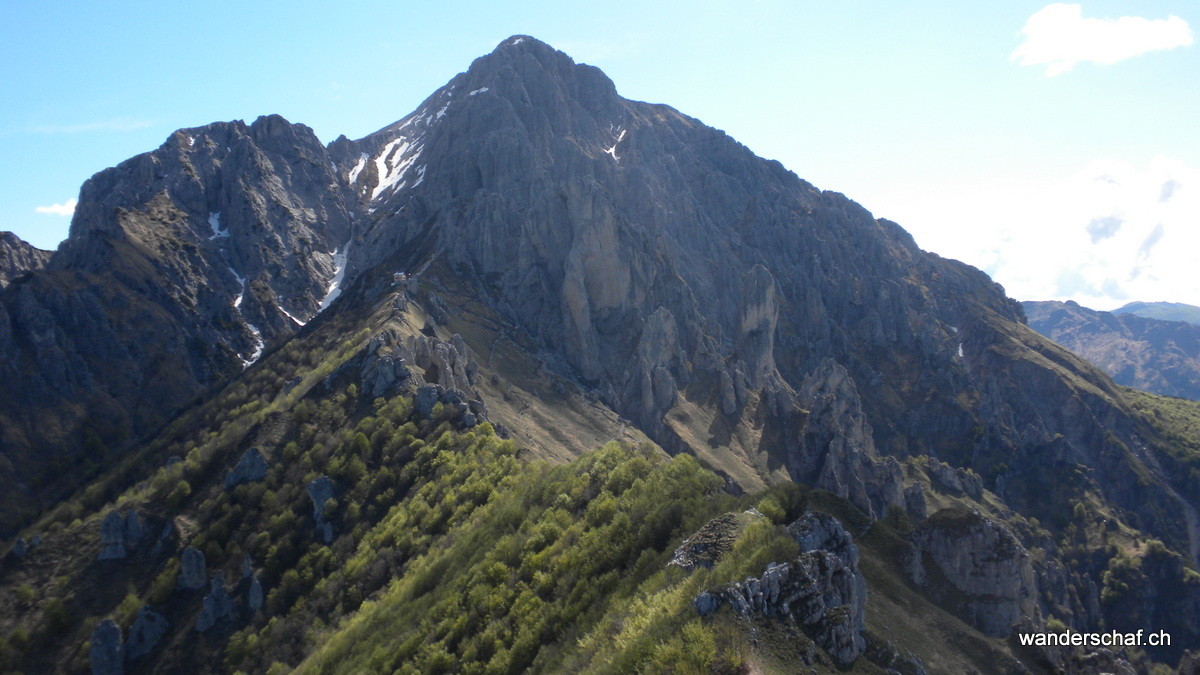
(338, 408)
(1154, 355)
(181, 266)
(18, 256)
(1165, 311)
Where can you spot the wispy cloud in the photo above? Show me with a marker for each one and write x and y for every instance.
(66, 208)
(1058, 37)
(114, 124)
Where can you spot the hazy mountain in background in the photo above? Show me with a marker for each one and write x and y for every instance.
(1158, 356)
(1165, 311)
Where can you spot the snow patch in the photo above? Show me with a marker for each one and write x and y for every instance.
(254, 331)
(613, 150)
(237, 302)
(518, 41)
(191, 141)
(258, 345)
(353, 175)
(393, 163)
(441, 113)
(288, 314)
(214, 221)
(339, 274)
(478, 91)
(960, 352)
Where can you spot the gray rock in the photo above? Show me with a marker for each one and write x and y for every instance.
(19, 548)
(252, 466)
(216, 607)
(107, 652)
(816, 590)
(254, 594)
(837, 451)
(706, 603)
(247, 566)
(112, 537)
(729, 403)
(193, 573)
(119, 534)
(990, 575)
(145, 633)
(914, 502)
(134, 530)
(427, 396)
(18, 257)
(320, 490)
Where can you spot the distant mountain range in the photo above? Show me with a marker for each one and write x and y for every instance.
(1165, 311)
(1130, 344)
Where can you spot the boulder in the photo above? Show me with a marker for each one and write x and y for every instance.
(120, 533)
(193, 574)
(107, 652)
(217, 605)
(147, 631)
(19, 548)
(251, 467)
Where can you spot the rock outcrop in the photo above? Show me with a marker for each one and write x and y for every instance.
(254, 594)
(217, 606)
(320, 490)
(145, 633)
(252, 466)
(193, 574)
(119, 534)
(821, 590)
(18, 257)
(837, 451)
(976, 567)
(706, 547)
(107, 652)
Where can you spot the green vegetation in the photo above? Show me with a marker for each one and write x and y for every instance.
(1177, 420)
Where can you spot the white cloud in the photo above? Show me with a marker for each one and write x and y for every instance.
(1104, 236)
(66, 208)
(1058, 37)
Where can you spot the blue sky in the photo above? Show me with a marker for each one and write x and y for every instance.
(1035, 141)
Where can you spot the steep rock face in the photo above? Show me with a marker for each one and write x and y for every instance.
(1159, 356)
(182, 265)
(837, 452)
(978, 568)
(18, 257)
(647, 254)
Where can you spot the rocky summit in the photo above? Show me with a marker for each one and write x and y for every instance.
(541, 378)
